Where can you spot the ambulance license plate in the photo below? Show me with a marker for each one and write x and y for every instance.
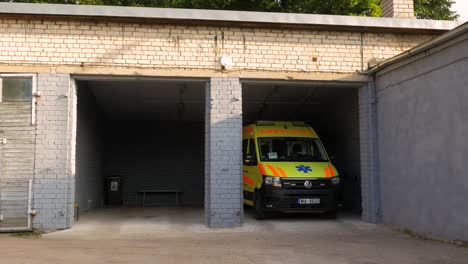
(308, 201)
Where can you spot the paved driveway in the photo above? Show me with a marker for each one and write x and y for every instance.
(170, 235)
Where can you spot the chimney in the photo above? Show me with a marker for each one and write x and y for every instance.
(398, 8)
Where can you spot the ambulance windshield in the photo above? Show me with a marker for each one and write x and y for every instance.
(291, 149)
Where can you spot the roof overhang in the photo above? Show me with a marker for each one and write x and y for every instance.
(224, 18)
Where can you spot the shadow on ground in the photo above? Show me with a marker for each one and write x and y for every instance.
(178, 235)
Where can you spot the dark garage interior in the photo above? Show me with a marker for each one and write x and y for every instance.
(150, 134)
(333, 112)
(139, 143)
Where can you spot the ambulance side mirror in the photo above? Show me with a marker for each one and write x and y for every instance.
(249, 160)
(333, 160)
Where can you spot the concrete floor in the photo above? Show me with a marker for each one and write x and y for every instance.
(178, 235)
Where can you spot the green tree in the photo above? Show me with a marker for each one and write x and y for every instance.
(338, 7)
(424, 9)
(434, 9)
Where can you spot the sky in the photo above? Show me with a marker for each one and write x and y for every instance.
(461, 7)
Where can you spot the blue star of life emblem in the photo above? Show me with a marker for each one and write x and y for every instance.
(303, 168)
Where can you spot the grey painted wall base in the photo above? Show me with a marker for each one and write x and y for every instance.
(53, 179)
(223, 165)
(423, 131)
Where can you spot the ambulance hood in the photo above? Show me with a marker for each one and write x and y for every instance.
(298, 169)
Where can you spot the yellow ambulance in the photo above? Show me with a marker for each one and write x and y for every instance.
(286, 169)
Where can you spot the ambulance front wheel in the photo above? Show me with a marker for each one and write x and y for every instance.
(331, 214)
(258, 205)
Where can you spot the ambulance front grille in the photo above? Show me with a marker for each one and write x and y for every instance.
(298, 184)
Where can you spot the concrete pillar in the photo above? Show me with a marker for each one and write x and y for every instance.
(223, 151)
(53, 184)
(398, 8)
(370, 178)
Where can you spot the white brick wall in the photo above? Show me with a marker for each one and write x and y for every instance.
(75, 43)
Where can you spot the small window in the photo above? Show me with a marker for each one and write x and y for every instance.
(16, 89)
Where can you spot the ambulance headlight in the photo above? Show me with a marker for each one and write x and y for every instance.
(335, 180)
(274, 181)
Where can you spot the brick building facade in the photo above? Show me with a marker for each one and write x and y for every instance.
(62, 45)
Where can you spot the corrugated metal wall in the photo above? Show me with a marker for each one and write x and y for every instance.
(17, 162)
(18, 152)
(167, 155)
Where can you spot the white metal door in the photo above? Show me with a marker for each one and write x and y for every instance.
(15, 199)
(15, 204)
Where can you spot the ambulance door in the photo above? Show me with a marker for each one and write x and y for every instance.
(249, 169)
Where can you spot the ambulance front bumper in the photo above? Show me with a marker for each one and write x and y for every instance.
(293, 196)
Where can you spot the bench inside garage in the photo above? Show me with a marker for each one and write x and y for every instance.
(145, 193)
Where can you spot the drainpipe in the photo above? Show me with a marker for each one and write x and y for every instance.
(375, 157)
(31, 213)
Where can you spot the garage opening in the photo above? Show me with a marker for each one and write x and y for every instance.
(140, 148)
(333, 112)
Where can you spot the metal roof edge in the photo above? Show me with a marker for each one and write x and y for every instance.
(202, 15)
(450, 35)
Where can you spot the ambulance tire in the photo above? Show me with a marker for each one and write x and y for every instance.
(331, 214)
(258, 205)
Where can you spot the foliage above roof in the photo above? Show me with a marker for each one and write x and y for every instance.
(425, 9)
